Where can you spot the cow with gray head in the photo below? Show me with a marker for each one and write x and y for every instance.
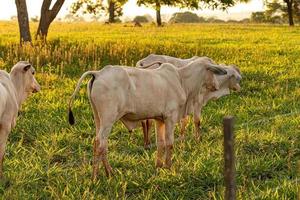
(15, 87)
(222, 87)
(153, 61)
(226, 83)
(131, 95)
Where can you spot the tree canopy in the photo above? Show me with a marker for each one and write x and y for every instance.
(140, 19)
(286, 9)
(114, 8)
(185, 17)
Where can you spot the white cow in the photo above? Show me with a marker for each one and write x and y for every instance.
(225, 83)
(131, 95)
(14, 89)
(177, 62)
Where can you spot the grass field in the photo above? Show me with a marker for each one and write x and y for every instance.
(48, 159)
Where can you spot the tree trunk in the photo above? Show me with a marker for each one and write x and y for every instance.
(158, 17)
(296, 10)
(23, 21)
(111, 10)
(290, 11)
(47, 17)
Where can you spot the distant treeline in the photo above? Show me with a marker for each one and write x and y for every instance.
(185, 17)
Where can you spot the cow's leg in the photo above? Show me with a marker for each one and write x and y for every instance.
(169, 135)
(197, 113)
(96, 159)
(4, 132)
(148, 125)
(100, 150)
(96, 142)
(104, 148)
(160, 142)
(183, 125)
(145, 132)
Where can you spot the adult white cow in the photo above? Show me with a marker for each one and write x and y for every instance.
(225, 83)
(131, 95)
(154, 58)
(14, 89)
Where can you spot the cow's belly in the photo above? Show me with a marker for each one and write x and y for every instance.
(142, 116)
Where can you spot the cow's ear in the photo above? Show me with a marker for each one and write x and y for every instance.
(26, 68)
(216, 69)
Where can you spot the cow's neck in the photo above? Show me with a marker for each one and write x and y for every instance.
(222, 91)
(217, 94)
(19, 89)
(192, 79)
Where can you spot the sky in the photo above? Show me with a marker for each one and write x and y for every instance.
(240, 11)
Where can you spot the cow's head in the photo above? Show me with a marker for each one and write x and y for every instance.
(152, 61)
(211, 82)
(235, 77)
(22, 76)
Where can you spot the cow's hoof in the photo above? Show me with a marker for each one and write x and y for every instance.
(198, 138)
(168, 162)
(94, 177)
(109, 172)
(4, 182)
(159, 164)
(181, 138)
(147, 146)
(168, 165)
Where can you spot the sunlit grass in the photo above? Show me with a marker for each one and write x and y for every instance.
(47, 158)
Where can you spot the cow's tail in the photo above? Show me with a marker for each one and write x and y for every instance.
(71, 116)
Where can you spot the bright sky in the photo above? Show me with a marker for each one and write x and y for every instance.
(8, 9)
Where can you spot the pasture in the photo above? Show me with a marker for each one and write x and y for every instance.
(46, 158)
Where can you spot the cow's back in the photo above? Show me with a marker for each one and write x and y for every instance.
(112, 85)
(156, 91)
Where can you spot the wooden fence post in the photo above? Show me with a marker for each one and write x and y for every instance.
(229, 159)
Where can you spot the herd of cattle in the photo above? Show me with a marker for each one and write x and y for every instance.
(161, 88)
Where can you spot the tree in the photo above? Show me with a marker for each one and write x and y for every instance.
(114, 8)
(72, 18)
(258, 17)
(192, 4)
(288, 9)
(23, 21)
(47, 17)
(186, 17)
(156, 4)
(297, 10)
(140, 19)
(289, 4)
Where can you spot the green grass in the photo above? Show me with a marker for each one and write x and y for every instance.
(48, 159)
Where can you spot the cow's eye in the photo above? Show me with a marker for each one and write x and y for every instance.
(33, 72)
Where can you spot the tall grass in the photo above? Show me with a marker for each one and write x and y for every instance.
(46, 158)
